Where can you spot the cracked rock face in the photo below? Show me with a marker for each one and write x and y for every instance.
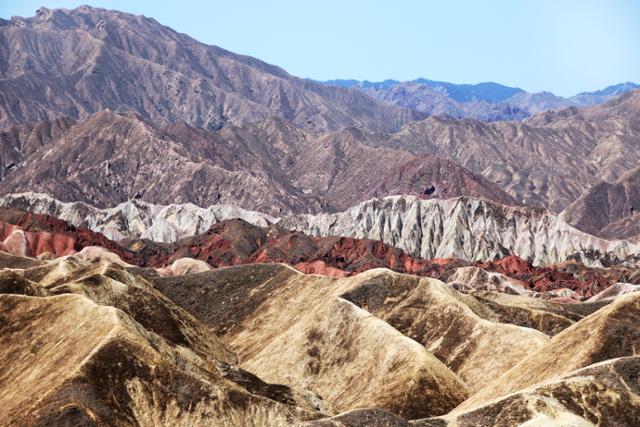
(464, 228)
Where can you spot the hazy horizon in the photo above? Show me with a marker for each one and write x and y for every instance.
(576, 46)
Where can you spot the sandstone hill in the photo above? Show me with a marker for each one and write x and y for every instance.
(457, 327)
(87, 344)
(263, 344)
(608, 333)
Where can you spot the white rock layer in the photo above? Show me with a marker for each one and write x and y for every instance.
(135, 218)
(465, 228)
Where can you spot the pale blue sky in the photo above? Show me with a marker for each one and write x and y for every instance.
(564, 46)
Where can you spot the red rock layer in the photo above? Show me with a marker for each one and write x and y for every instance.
(29, 234)
(18, 242)
(236, 242)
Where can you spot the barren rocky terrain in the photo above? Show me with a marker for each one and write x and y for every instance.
(192, 237)
(550, 160)
(87, 59)
(465, 228)
(267, 345)
(113, 157)
(234, 242)
(127, 99)
(609, 209)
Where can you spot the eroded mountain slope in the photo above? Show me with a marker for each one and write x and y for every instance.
(271, 166)
(608, 209)
(87, 59)
(354, 345)
(296, 328)
(608, 333)
(548, 160)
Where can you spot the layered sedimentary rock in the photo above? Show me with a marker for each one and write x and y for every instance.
(464, 228)
(35, 235)
(234, 242)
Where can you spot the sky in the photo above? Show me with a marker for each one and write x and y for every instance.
(561, 46)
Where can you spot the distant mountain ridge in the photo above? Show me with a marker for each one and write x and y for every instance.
(73, 63)
(486, 91)
(486, 101)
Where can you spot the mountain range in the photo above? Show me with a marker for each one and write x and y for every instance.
(457, 228)
(189, 236)
(549, 160)
(312, 152)
(87, 59)
(482, 101)
(236, 242)
(270, 166)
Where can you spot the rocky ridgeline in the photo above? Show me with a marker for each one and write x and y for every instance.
(136, 219)
(465, 228)
(462, 228)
